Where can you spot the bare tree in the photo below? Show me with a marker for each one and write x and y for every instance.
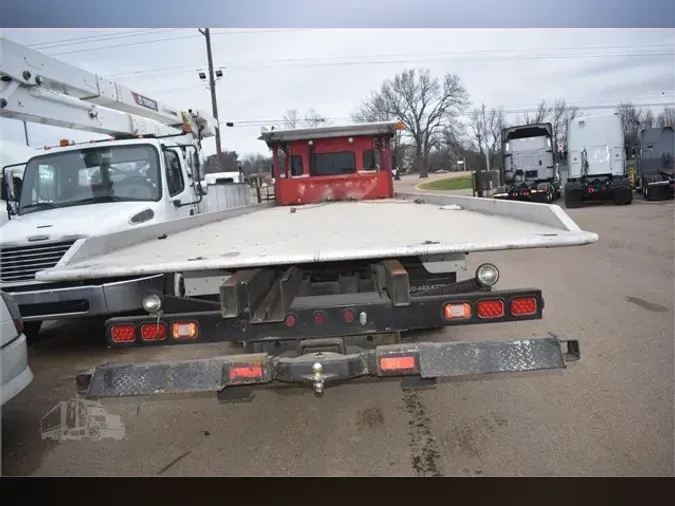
(291, 119)
(631, 117)
(541, 115)
(486, 129)
(561, 115)
(648, 119)
(425, 105)
(666, 118)
(313, 118)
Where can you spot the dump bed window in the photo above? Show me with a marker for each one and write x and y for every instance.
(330, 164)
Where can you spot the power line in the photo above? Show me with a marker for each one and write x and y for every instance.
(270, 122)
(415, 55)
(95, 38)
(146, 74)
(115, 46)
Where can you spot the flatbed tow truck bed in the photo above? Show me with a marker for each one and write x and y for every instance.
(409, 225)
(322, 293)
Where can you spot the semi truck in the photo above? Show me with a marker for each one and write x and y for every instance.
(597, 161)
(655, 163)
(320, 285)
(146, 171)
(528, 170)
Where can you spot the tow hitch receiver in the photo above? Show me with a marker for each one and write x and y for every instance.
(316, 370)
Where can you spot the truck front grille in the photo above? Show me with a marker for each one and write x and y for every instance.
(20, 263)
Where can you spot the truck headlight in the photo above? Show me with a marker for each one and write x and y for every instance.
(487, 275)
(151, 302)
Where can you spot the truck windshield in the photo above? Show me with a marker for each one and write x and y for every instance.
(529, 144)
(91, 175)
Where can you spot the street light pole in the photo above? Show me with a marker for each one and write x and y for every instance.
(206, 32)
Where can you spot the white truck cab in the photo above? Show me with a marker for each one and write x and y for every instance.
(146, 172)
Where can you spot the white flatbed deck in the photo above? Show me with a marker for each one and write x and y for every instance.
(324, 232)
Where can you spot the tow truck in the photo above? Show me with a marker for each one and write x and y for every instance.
(320, 285)
(146, 172)
(528, 170)
(597, 162)
(655, 171)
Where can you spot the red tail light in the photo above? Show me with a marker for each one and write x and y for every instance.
(523, 306)
(290, 320)
(490, 309)
(397, 363)
(348, 316)
(319, 317)
(123, 333)
(153, 332)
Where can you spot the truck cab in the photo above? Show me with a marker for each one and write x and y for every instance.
(75, 191)
(352, 162)
(597, 161)
(655, 163)
(528, 169)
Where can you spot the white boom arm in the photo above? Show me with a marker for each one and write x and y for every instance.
(38, 88)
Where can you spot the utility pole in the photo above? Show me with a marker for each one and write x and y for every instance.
(206, 32)
(25, 133)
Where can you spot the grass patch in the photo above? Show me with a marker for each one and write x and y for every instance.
(449, 183)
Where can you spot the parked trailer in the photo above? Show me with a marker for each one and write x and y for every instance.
(320, 287)
(655, 163)
(597, 161)
(528, 170)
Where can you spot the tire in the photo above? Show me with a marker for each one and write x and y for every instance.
(94, 433)
(32, 330)
(573, 199)
(622, 195)
(646, 193)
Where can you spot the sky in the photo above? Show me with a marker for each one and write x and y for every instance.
(269, 71)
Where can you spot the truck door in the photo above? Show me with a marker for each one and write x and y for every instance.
(179, 193)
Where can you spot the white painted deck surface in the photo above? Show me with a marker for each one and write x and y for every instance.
(335, 231)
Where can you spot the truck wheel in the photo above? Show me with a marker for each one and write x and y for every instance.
(31, 330)
(573, 199)
(622, 195)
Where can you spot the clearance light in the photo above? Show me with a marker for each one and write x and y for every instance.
(184, 330)
(490, 309)
(290, 320)
(460, 311)
(123, 333)
(397, 363)
(523, 306)
(153, 332)
(400, 125)
(246, 372)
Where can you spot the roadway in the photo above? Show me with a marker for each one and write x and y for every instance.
(610, 414)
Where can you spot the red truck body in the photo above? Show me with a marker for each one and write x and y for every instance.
(332, 163)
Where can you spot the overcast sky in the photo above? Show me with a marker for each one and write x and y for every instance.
(269, 71)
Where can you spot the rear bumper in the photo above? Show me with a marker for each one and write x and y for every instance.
(16, 374)
(45, 303)
(424, 361)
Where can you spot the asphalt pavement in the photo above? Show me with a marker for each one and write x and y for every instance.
(610, 414)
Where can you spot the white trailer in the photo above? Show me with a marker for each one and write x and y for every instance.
(147, 171)
(597, 161)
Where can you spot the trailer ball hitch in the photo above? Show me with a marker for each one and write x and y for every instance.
(317, 378)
